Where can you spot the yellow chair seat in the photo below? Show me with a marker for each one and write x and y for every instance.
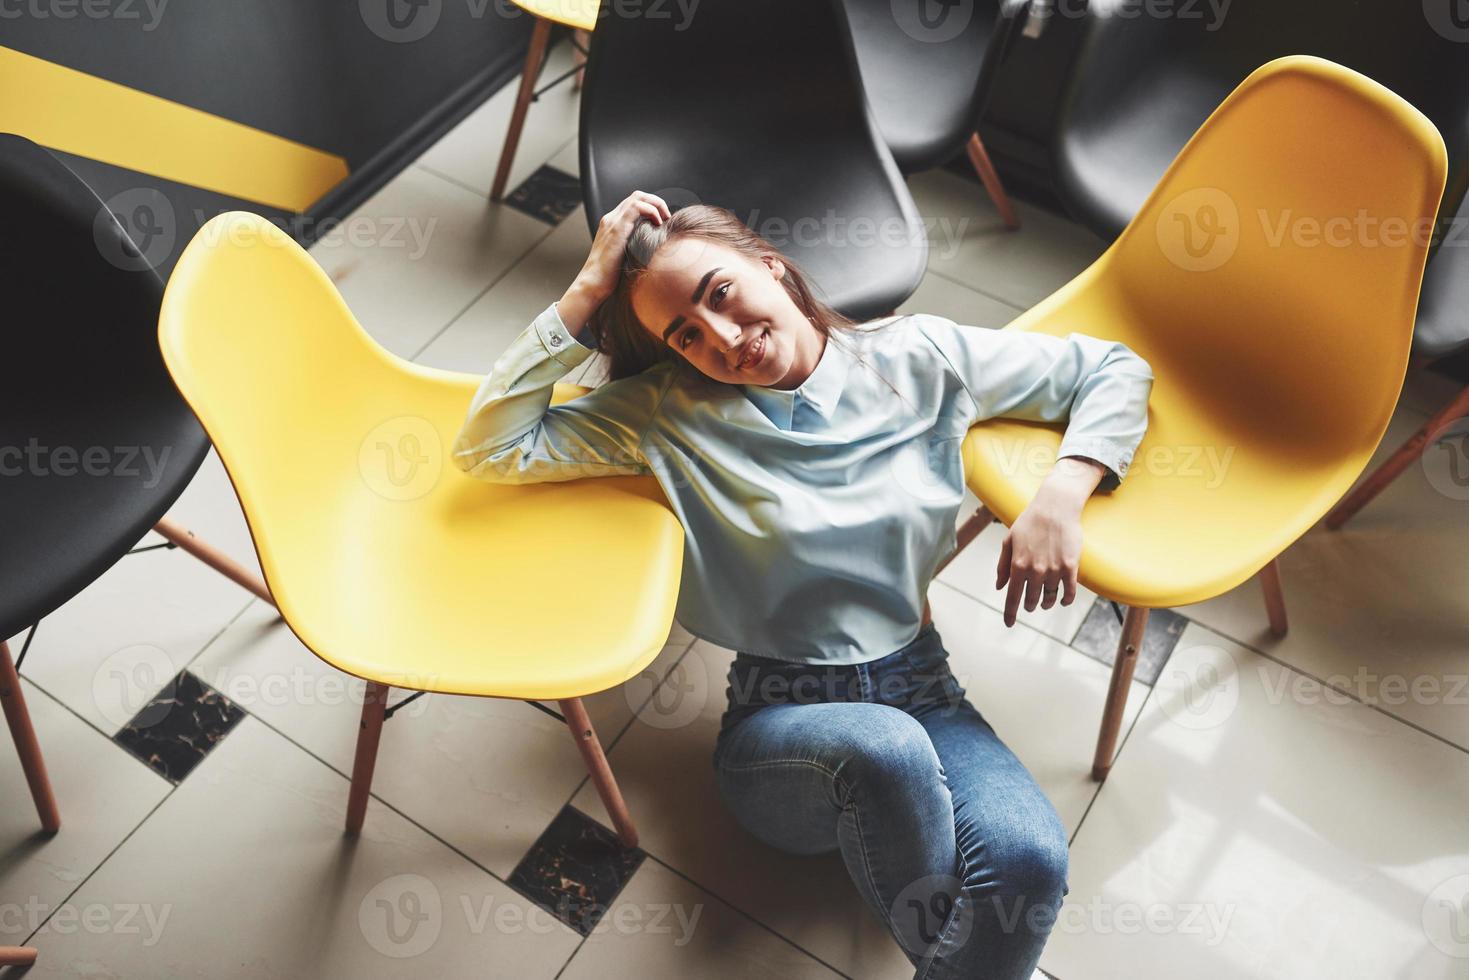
(581, 14)
(1278, 330)
(385, 560)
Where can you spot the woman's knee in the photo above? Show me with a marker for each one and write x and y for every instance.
(887, 754)
(1030, 861)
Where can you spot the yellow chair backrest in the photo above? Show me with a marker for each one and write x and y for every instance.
(1271, 281)
(385, 559)
(1276, 266)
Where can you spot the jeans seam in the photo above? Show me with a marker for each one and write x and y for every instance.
(886, 911)
(772, 763)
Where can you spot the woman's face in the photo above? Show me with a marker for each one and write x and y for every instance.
(716, 307)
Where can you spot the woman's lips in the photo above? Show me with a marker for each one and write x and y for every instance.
(757, 352)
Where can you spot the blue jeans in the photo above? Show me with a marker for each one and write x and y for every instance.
(945, 834)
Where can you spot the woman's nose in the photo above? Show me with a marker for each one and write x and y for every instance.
(727, 331)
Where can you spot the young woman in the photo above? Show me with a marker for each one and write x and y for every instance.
(815, 466)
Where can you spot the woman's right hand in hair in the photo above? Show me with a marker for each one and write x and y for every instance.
(599, 275)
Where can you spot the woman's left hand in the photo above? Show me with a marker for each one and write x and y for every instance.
(1042, 551)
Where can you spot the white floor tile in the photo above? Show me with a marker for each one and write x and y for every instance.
(968, 243)
(481, 333)
(663, 928)
(470, 152)
(106, 653)
(939, 295)
(102, 793)
(1377, 608)
(568, 158)
(419, 252)
(486, 775)
(1249, 832)
(245, 872)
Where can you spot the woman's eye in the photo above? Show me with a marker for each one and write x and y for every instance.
(684, 340)
(721, 291)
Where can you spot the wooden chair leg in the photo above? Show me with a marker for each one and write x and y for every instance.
(584, 39)
(1274, 598)
(991, 180)
(1399, 461)
(533, 58)
(17, 956)
(596, 762)
(1131, 642)
(968, 531)
(214, 558)
(26, 745)
(369, 734)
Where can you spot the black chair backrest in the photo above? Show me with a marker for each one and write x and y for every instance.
(756, 106)
(81, 304)
(738, 82)
(95, 441)
(927, 68)
(1143, 82)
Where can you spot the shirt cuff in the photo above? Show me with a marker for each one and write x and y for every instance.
(1115, 458)
(558, 341)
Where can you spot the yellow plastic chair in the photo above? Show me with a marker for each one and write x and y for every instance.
(581, 17)
(386, 561)
(1278, 340)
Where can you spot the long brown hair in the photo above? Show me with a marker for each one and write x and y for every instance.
(614, 328)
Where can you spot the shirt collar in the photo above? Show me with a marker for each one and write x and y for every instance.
(822, 390)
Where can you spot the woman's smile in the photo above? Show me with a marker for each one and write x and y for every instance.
(756, 352)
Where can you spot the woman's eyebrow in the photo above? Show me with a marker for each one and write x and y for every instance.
(698, 292)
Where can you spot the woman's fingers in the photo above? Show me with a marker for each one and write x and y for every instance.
(1002, 571)
(657, 202)
(1033, 584)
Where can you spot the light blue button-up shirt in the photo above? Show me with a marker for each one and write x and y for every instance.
(814, 518)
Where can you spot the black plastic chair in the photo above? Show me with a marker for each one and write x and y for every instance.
(1141, 85)
(95, 442)
(1441, 331)
(757, 106)
(927, 71)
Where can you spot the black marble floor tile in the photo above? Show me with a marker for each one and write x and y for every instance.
(575, 870)
(548, 194)
(1100, 632)
(180, 726)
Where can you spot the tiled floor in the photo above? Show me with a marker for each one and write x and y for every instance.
(1279, 808)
